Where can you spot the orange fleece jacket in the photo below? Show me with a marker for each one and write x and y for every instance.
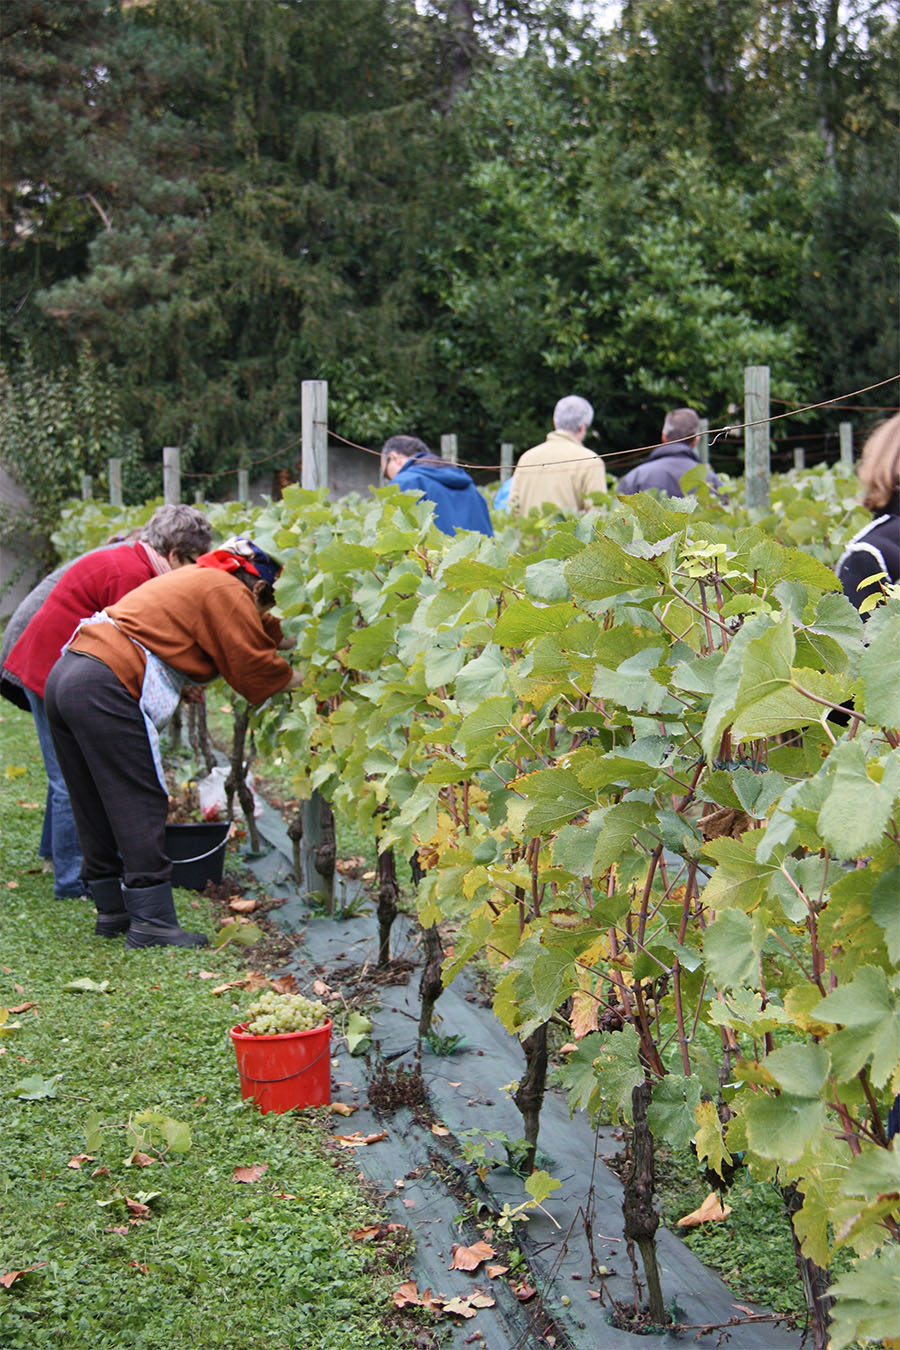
(200, 621)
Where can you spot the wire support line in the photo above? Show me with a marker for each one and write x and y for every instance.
(715, 432)
(250, 464)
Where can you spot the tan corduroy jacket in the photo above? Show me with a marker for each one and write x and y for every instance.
(561, 473)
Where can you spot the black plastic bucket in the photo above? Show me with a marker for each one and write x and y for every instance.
(197, 852)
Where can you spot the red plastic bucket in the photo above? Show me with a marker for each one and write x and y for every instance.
(283, 1071)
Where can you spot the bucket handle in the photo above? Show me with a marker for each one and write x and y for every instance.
(289, 1076)
(200, 856)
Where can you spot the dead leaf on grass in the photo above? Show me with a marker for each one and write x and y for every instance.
(78, 1158)
(22, 1007)
(232, 984)
(242, 906)
(100, 1171)
(141, 1266)
(208, 974)
(139, 1159)
(137, 1207)
(12, 1275)
(407, 1295)
(377, 1230)
(250, 1173)
(470, 1258)
(123, 1230)
(342, 1109)
(284, 984)
(710, 1211)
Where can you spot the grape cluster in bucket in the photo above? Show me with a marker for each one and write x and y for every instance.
(273, 1014)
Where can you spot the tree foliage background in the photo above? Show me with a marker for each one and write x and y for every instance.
(455, 212)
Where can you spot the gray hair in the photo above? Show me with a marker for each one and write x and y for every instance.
(182, 528)
(571, 413)
(681, 424)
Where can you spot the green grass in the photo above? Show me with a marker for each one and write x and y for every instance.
(751, 1249)
(217, 1263)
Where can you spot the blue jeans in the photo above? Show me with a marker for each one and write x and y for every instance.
(59, 823)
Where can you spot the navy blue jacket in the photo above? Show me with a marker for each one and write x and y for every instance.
(664, 469)
(875, 549)
(458, 505)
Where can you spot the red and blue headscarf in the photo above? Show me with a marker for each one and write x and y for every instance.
(240, 554)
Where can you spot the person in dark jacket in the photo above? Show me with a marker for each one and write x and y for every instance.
(665, 467)
(873, 554)
(458, 505)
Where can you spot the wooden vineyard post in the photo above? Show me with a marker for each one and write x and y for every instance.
(314, 434)
(799, 457)
(171, 475)
(506, 460)
(114, 474)
(315, 841)
(756, 437)
(703, 440)
(845, 431)
(449, 448)
(243, 486)
(87, 487)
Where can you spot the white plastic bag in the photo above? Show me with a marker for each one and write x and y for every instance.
(212, 796)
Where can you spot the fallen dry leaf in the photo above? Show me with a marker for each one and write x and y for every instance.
(14, 886)
(524, 1292)
(460, 1307)
(358, 1139)
(440, 1130)
(232, 984)
(470, 1258)
(479, 1299)
(249, 1173)
(342, 1109)
(209, 974)
(284, 984)
(100, 1171)
(12, 1275)
(410, 1204)
(321, 989)
(123, 1230)
(142, 1159)
(22, 1007)
(377, 1230)
(141, 1266)
(241, 906)
(710, 1211)
(78, 1158)
(254, 979)
(494, 1271)
(407, 1294)
(137, 1208)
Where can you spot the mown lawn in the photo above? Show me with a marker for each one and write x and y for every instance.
(213, 1261)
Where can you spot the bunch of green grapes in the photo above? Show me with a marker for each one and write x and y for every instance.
(273, 1013)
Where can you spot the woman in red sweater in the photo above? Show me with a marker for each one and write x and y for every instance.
(118, 681)
(174, 535)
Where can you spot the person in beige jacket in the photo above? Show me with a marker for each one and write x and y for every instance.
(561, 472)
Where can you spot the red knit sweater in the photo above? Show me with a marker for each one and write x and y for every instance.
(93, 582)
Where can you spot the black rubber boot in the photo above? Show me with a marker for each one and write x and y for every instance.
(112, 916)
(153, 919)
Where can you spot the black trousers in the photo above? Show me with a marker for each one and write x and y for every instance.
(102, 746)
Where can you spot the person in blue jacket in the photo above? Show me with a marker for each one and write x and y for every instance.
(458, 505)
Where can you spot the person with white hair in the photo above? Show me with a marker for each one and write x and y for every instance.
(561, 472)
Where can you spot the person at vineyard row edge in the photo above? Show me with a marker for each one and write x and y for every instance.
(664, 467)
(873, 555)
(118, 681)
(458, 505)
(875, 550)
(561, 472)
(46, 619)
